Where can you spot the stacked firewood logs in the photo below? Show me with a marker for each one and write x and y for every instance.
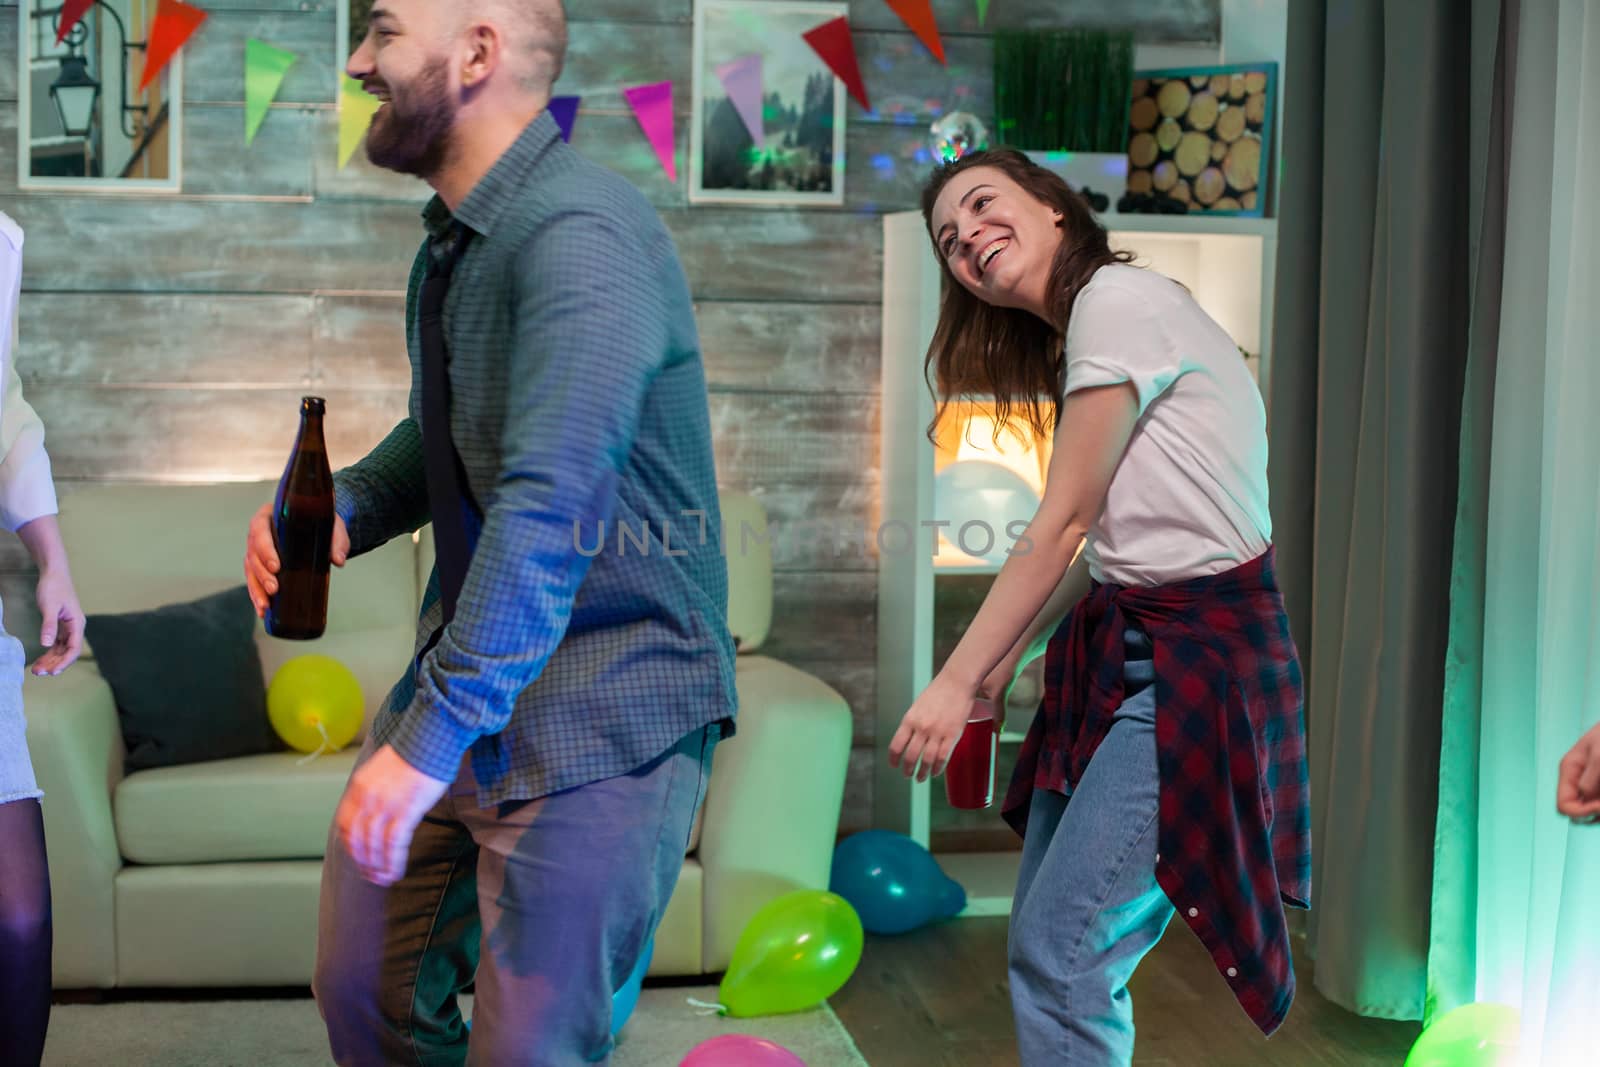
(1197, 139)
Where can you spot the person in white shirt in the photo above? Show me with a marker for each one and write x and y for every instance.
(1173, 699)
(1578, 790)
(28, 508)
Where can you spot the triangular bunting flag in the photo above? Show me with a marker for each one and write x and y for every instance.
(264, 68)
(983, 12)
(832, 42)
(71, 12)
(174, 24)
(356, 108)
(742, 80)
(564, 109)
(918, 14)
(652, 106)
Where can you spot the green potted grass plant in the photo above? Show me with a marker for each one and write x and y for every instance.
(1062, 97)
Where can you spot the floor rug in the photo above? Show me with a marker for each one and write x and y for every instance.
(289, 1033)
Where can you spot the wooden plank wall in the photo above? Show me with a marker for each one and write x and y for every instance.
(169, 338)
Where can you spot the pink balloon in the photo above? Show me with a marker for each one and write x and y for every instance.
(740, 1050)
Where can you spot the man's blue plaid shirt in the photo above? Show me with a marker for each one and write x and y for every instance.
(578, 406)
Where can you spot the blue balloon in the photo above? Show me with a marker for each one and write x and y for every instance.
(624, 999)
(894, 884)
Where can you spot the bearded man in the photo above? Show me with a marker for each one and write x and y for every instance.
(521, 807)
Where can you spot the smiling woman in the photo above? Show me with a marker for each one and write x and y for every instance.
(1013, 236)
(1157, 478)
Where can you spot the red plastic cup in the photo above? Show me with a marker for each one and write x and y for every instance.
(969, 778)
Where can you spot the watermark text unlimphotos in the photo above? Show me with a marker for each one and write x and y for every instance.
(841, 538)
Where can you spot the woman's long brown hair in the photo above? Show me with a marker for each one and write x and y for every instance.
(1008, 354)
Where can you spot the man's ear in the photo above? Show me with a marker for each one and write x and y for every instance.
(485, 52)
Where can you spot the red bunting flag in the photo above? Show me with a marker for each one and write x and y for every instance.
(71, 12)
(832, 42)
(174, 24)
(918, 14)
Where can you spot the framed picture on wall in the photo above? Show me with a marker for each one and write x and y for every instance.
(1203, 136)
(769, 116)
(83, 122)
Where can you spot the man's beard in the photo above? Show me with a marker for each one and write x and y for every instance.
(411, 134)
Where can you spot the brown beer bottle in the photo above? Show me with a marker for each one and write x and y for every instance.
(302, 527)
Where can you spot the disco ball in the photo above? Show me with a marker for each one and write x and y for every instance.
(958, 134)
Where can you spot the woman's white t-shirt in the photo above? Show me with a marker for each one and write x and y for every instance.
(1190, 495)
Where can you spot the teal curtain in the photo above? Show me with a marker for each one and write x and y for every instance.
(1370, 344)
(1516, 908)
(1451, 956)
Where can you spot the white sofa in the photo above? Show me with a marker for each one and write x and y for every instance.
(207, 874)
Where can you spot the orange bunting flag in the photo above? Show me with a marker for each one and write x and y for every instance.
(832, 42)
(918, 15)
(174, 24)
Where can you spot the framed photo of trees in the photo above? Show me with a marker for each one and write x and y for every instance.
(769, 116)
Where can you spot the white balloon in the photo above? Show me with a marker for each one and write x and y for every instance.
(981, 500)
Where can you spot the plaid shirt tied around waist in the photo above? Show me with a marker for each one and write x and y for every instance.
(1235, 818)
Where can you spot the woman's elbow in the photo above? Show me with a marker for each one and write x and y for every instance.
(1057, 540)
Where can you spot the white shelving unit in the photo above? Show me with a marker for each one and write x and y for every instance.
(1229, 265)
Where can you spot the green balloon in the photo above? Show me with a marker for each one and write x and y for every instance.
(1473, 1035)
(794, 954)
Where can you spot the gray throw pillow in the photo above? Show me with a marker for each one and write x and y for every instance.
(187, 680)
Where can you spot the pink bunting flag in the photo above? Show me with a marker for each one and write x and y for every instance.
(832, 42)
(71, 12)
(564, 109)
(652, 106)
(742, 80)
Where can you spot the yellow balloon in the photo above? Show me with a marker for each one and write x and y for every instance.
(315, 703)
